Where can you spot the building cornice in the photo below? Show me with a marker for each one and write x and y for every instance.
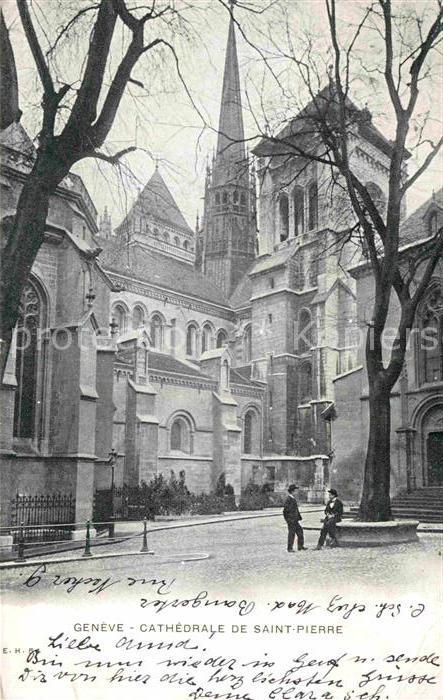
(170, 296)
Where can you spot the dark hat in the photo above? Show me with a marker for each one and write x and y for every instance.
(333, 492)
(292, 487)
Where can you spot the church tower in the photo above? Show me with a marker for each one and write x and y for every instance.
(226, 242)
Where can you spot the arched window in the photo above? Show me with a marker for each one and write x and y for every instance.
(29, 363)
(235, 196)
(166, 237)
(225, 197)
(120, 317)
(299, 211)
(185, 245)
(180, 435)
(243, 199)
(191, 340)
(251, 433)
(156, 233)
(313, 206)
(305, 382)
(222, 338)
(432, 224)
(176, 241)
(304, 331)
(138, 317)
(247, 345)
(283, 211)
(206, 337)
(157, 332)
(431, 335)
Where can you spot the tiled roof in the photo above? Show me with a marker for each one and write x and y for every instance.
(280, 257)
(241, 296)
(160, 270)
(415, 226)
(305, 127)
(157, 202)
(242, 375)
(161, 362)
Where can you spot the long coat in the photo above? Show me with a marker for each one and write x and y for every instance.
(291, 512)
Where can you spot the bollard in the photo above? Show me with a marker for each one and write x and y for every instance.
(87, 552)
(111, 528)
(145, 537)
(21, 544)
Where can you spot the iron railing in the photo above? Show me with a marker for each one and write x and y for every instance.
(39, 511)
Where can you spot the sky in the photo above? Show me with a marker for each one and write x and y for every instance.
(176, 127)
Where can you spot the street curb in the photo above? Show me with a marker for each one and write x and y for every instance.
(196, 556)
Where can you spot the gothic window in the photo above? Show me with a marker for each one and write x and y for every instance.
(247, 345)
(157, 332)
(235, 196)
(166, 237)
(243, 199)
(156, 233)
(206, 338)
(191, 340)
(180, 435)
(186, 245)
(283, 211)
(222, 338)
(432, 225)
(217, 198)
(431, 336)
(299, 211)
(251, 433)
(247, 441)
(313, 206)
(305, 382)
(303, 339)
(120, 317)
(138, 317)
(29, 362)
(176, 241)
(225, 197)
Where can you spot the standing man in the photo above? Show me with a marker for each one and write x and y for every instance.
(333, 515)
(292, 516)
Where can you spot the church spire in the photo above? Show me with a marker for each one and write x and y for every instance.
(230, 143)
(9, 109)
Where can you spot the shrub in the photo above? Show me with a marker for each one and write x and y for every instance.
(208, 504)
(253, 497)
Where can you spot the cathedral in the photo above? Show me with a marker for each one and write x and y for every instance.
(229, 349)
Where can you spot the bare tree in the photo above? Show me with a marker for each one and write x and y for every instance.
(75, 119)
(326, 131)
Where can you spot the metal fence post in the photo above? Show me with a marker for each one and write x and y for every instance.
(145, 537)
(111, 527)
(87, 552)
(21, 544)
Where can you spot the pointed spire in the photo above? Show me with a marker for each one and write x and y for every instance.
(9, 108)
(231, 133)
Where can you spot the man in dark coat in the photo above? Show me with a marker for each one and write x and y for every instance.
(333, 515)
(292, 516)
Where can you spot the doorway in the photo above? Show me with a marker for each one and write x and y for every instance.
(434, 449)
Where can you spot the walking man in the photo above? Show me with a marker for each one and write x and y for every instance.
(333, 515)
(292, 516)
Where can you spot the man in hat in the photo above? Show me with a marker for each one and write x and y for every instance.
(333, 515)
(292, 516)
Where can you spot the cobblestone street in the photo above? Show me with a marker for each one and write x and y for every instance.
(251, 555)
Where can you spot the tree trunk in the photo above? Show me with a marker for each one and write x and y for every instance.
(375, 504)
(22, 246)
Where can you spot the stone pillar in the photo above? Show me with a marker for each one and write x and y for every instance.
(141, 435)
(316, 494)
(227, 441)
